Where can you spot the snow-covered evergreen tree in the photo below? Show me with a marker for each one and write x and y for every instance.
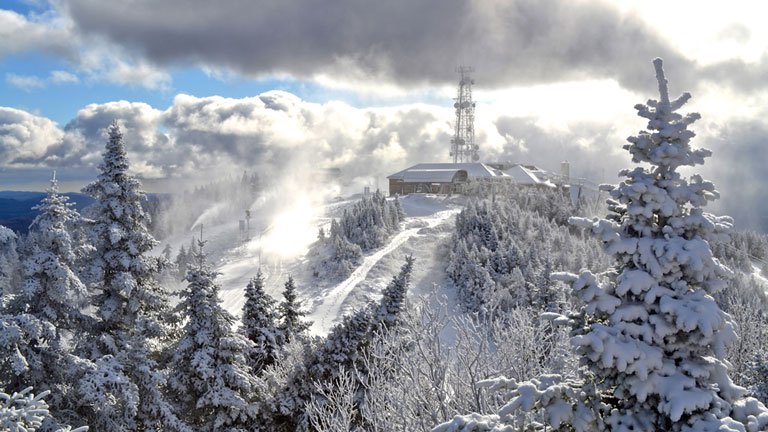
(192, 252)
(51, 290)
(366, 225)
(123, 388)
(291, 323)
(181, 262)
(652, 338)
(503, 251)
(167, 251)
(387, 312)
(46, 312)
(343, 350)
(370, 221)
(24, 412)
(9, 263)
(260, 324)
(321, 235)
(128, 294)
(209, 372)
(24, 356)
(336, 257)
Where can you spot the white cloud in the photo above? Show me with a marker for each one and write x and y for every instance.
(84, 137)
(372, 43)
(30, 82)
(55, 33)
(103, 61)
(137, 74)
(25, 82)
(63, 77)
(708, 32)
(48, 32)
(277, 130)
(399, 49)
(25, 137)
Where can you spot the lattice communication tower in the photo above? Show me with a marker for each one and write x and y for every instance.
(463, 147)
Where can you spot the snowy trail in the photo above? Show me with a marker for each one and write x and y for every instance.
(757, 273)
(326, 312)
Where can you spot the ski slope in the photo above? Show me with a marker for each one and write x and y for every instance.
(327, 312)
(758, 275)
(326, 302)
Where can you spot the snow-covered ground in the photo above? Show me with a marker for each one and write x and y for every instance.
(326, 310)
(758, 275)
(426, 228)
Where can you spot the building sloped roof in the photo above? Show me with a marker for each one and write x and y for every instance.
(522, 175)
(430, 175)
(442, 170)
(529, 175)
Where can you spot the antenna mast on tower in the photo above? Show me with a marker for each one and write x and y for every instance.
(463, 147)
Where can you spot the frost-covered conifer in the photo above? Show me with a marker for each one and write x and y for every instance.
(23, 355)
(370, 221)
(291, 324)
(209, 373)
(366, 225)
(399, 212)
(260, 324)
(46, 312)
(344, 349)
(321, 235)
(651, 336)
(122, 390)
(128, 293)
(167, 250)
(181, 262)
(24, 412)
(388, 310)
(9, 263)
(51, 290)
(192, 252)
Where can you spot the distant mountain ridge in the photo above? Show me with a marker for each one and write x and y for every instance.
(16, 207)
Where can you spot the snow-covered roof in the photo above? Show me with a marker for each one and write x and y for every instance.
(442, 170)
(431, 175)
(523, 175)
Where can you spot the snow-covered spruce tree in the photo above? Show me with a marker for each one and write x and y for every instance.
(24, 412)
(168, 269)
(321, 235)
(181, 262)
(9, 263)
(370, 221)
(651, 337)
(343, 350)
(51, 290)
(123, 388)
(260, 324)
(209, 372)
(364, 226)
(291, 324)
(24, 356)
(46, 309)
(387, 312)
(487, 263)
(335, 256)
(167, 251)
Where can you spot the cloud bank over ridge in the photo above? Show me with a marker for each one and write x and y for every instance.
(277, 131)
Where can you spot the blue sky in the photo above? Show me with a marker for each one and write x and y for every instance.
(60, 102)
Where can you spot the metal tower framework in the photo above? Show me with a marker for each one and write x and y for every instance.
(463, 147)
